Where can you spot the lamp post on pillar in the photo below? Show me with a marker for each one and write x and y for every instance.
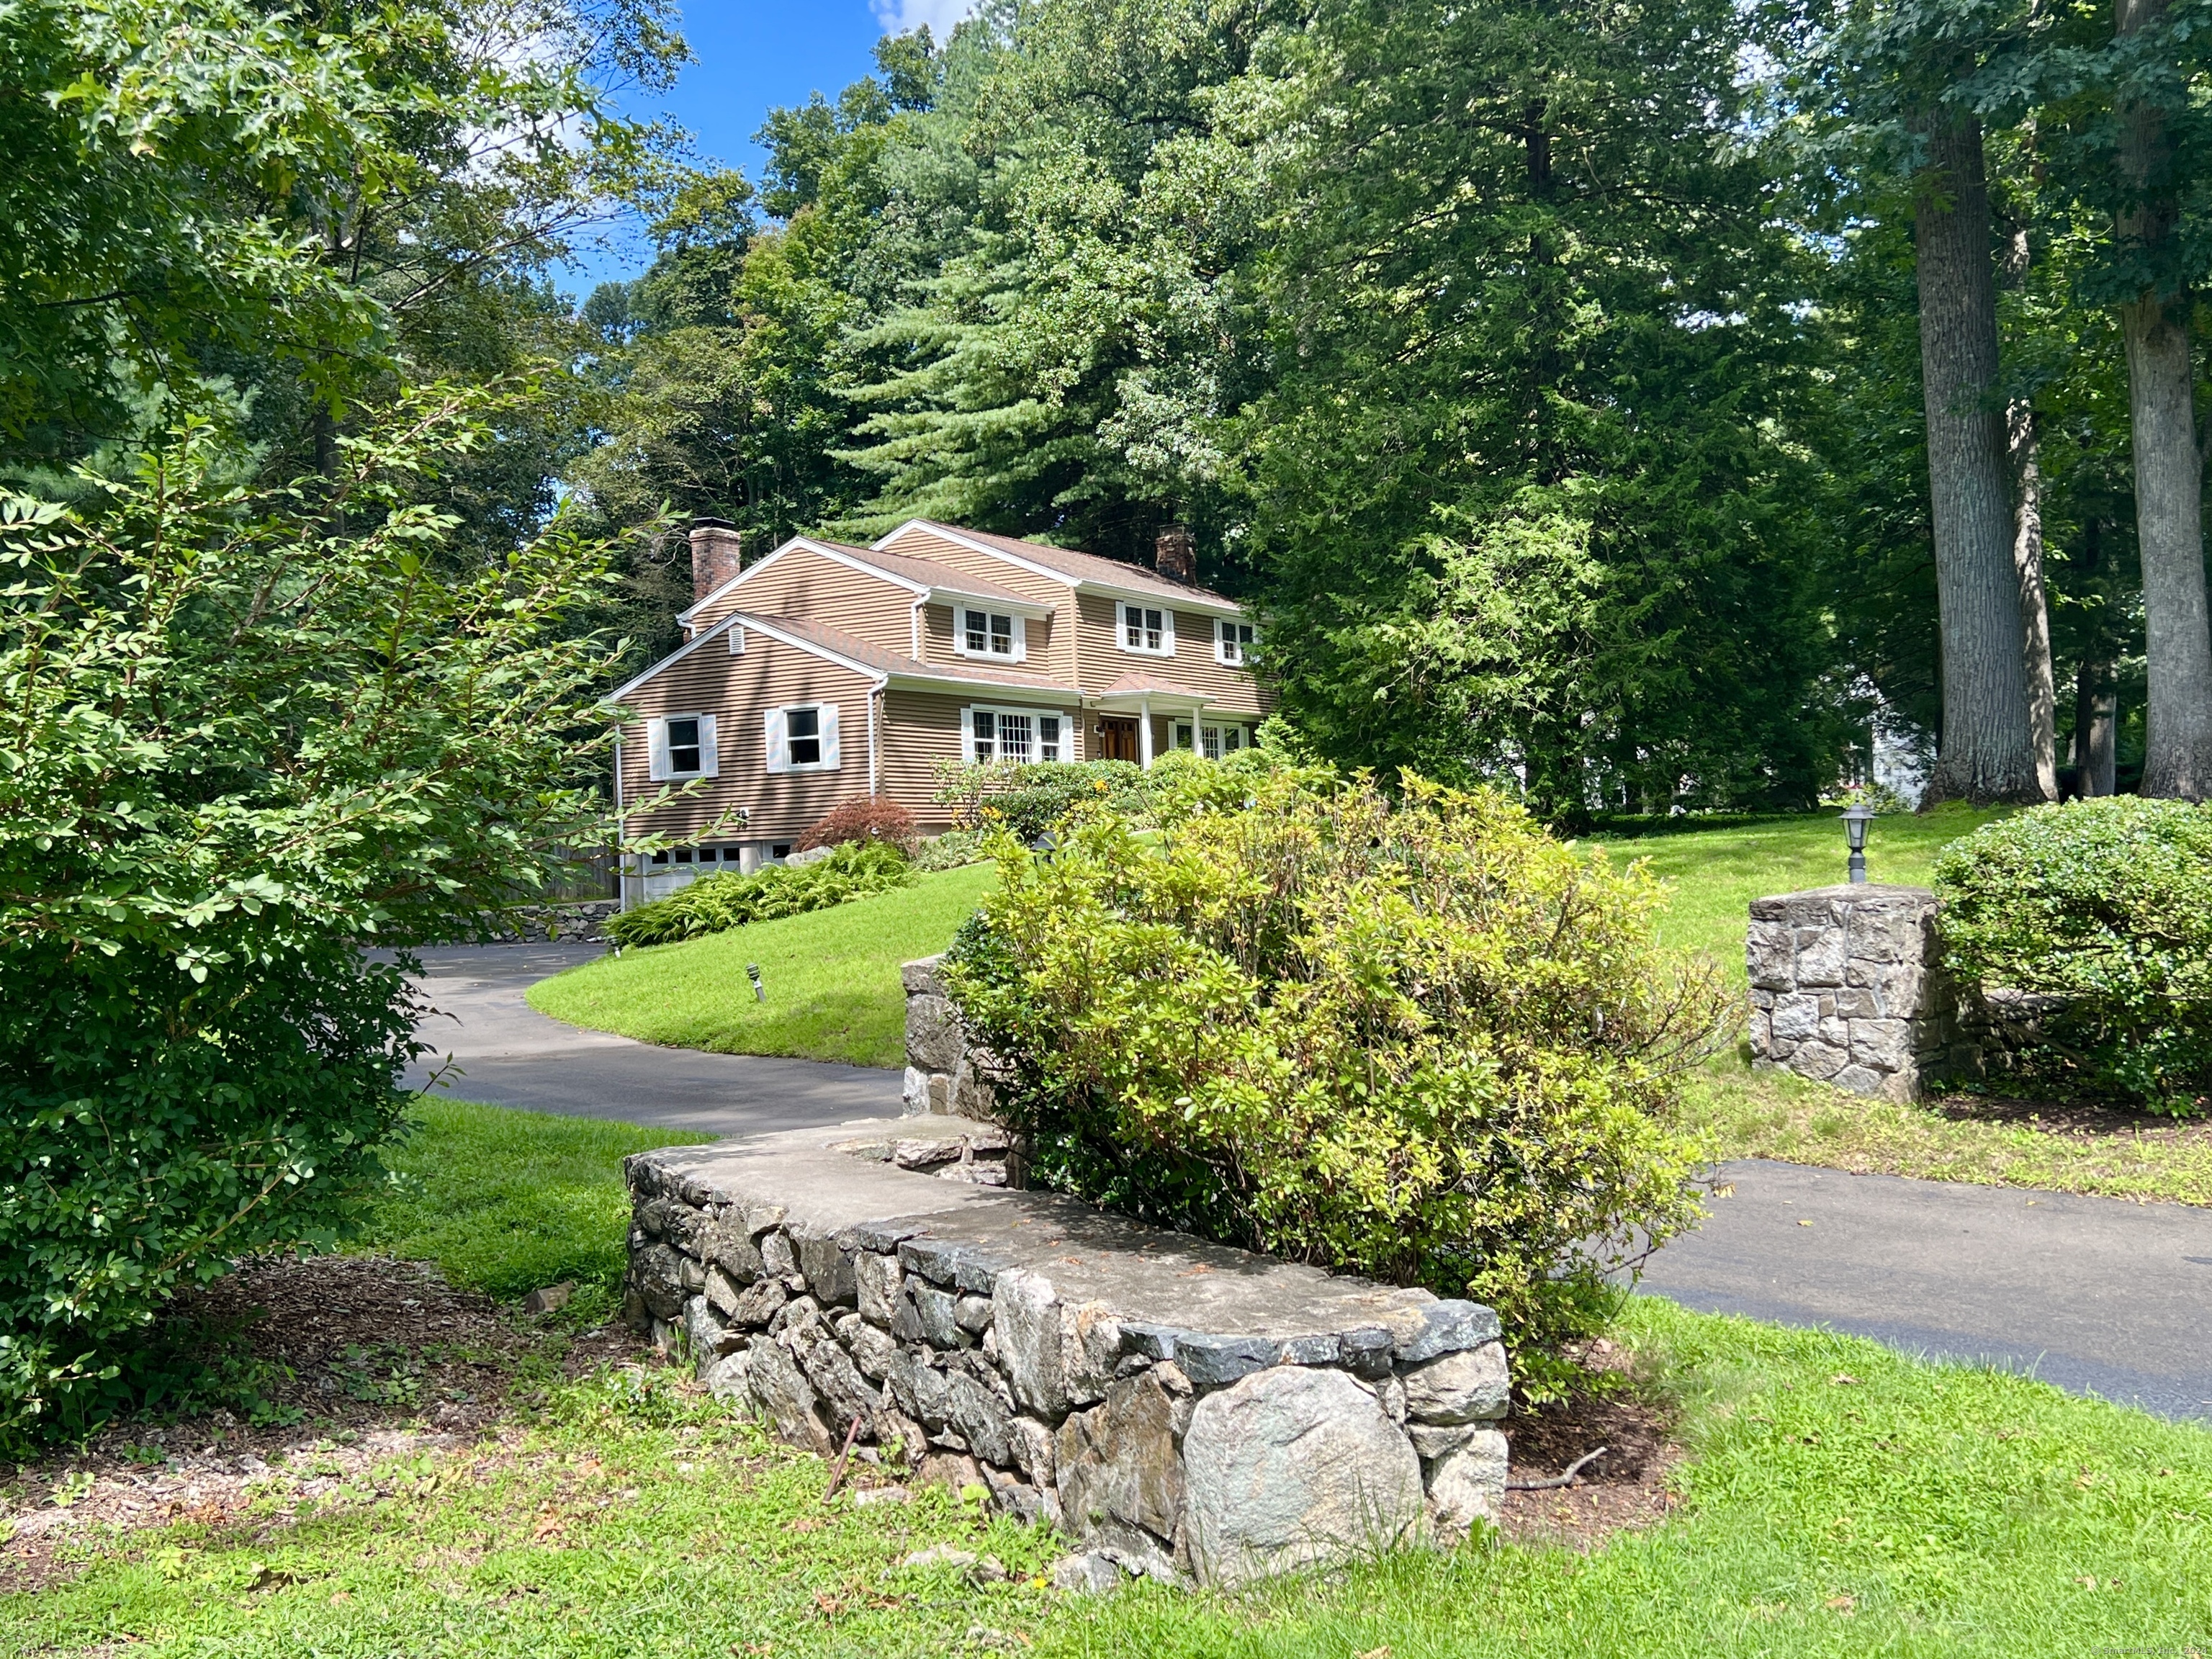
(1856, 817)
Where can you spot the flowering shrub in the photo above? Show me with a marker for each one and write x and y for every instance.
(2107, 904)
(864, 820)
(1422, 1041)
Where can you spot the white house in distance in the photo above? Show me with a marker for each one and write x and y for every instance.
(827, 672)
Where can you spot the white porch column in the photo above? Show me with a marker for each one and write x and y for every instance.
(1145, 732)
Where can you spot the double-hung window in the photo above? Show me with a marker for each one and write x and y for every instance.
(1148, 630)
(802, 736)
(1232, 641)
(988, 633)
(680, 746)
(1019, 735)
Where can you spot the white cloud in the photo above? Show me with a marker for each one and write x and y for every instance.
(897, 16)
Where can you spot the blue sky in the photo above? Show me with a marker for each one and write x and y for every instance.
(754, 55)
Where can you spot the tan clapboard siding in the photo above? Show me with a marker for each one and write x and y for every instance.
(800, 582)
(924, 727)
(738, 692)
(1054, 657)
(1235, 695)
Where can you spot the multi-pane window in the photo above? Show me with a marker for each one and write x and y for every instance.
(1233, 640)
(1015, 734)
(684, 746)
(985, 634)
(1148, 628)
(1211, 737)
(802, 727)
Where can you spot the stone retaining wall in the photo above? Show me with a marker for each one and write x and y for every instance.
(1179, 1409)
(531, 923)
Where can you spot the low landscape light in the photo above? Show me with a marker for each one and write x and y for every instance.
(1856, 818)
(752, 973)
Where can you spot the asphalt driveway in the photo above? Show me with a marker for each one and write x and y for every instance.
(2098, 1296)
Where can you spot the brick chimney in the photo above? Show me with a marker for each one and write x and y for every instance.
(1175, 555)
(713, 555)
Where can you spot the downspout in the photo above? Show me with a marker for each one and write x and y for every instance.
(875, 692)
(914, 618)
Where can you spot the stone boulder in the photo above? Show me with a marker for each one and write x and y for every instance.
(1293, 1467)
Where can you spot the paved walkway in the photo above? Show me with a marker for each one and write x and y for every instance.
(2097, 1295)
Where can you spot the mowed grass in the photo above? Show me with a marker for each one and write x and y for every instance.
(1838, 1498)
(1777, 1114)
(832, 979)
(505, 1201)
(1713, 875)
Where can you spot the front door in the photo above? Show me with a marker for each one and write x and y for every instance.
(1117, 737)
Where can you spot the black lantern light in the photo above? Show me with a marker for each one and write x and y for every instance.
(1044, 847)
(1856, 816)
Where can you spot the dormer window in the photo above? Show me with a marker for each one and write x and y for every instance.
(1148, 630)
(988, 633)
(1232, 642)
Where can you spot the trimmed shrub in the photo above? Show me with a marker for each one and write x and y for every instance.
(714, 904)
(2107, 904)
(1422, 1041)
(864, 820)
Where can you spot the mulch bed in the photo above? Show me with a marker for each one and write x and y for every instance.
(380, 1358)
(1626, 1488)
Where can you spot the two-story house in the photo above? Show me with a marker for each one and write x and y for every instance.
(826, 672)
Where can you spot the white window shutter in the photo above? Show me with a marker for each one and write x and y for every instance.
(656, 749)
(1167, 631)
(967, 735)
(1021, 639)
(779, 743)
(708, 757)
(829, 737)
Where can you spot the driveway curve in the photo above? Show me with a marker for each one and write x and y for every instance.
(491, 1045)
(2098, 1296)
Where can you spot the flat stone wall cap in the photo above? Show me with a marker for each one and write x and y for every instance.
(935, 1258)
(978, 1271)
(880, 1237)
(1153, 1341)
(1320, 1350)
(1447, 1327)
(1775, 907)
(1215, 1362)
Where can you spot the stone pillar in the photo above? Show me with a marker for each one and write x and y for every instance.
(1844, 988)
(942, 1077)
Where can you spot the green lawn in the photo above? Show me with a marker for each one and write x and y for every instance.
(831, 976)
(1716, 873)
(505, 1201)
(1838, 1499)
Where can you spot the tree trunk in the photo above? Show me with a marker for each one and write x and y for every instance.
(1987, 754)
(2021, 443)
(2096, 721)
(2169, 470)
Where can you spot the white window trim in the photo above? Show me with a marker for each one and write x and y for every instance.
(998, 711)
(1222, 625)
(658, 768)
(960, 635)
(1121, 610)
(774, 722)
